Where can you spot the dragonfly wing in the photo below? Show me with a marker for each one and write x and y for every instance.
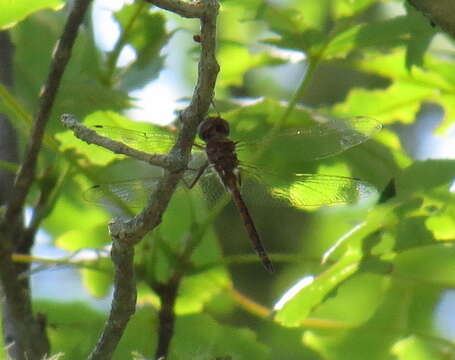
(158, 141)
(132, 193)
(326, 138)
(314, 190)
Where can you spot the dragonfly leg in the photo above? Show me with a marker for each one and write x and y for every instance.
(201, 170)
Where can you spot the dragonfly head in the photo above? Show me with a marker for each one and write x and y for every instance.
(213, 127)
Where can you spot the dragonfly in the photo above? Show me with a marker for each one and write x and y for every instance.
(221, 159)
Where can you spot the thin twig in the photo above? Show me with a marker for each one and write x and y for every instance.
(61, 57)
(92, 137)
(127, 233)
(185, 9)
(25, 331)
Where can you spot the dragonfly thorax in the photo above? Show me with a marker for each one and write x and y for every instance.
(213, 127)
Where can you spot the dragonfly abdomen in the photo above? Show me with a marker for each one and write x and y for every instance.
(250, 227)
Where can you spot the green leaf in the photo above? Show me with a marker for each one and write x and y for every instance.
(232, 72)
(99, 282)
(355, 301)
(199, 289)
(82, 90)
(140, 335)
(400, 101)
(146, 33)
(298, 28)
(404, 307)
(177, 228)
(418, 348)
(211, 340)
(344, 8)
(378, 35)
(74, 328)
(297, 309)
(282, 20)
(74, 240)
(12, 12)
(415, 264)
(411, 232)
(425, 177)
(65, 220)
(421, 35)
(442, 223)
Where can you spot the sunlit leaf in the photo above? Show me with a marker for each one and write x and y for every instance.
(197, 290)
(355, 301)
(297, 309)
(232, 72)
(98, 282)
(442, 223)
(418, 348)
(349, 7)
(13, 11)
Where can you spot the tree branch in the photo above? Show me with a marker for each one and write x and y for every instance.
(26, 333)
(440, 12)
(127, 233)
(92, 137)
(185, 9)
(168, 293)
(61, 57)
(123, 302)
(132, 230)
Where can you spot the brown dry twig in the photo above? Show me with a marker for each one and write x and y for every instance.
(125, 233)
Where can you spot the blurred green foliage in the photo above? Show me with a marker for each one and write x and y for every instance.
(386, 265)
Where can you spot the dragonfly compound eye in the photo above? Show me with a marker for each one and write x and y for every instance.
(213, 126)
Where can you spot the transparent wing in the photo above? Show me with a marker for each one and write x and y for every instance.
(133, 193)
(313, 190)
(325, 138)
(300, 191)
(303, 191)
(158, 141)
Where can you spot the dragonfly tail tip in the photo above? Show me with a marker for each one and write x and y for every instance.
(269, 266)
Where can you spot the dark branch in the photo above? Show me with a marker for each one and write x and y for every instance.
(168, 296)
(92, 137)
(61, 57)
(26, 333)
(440, 12)
(129, 232)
